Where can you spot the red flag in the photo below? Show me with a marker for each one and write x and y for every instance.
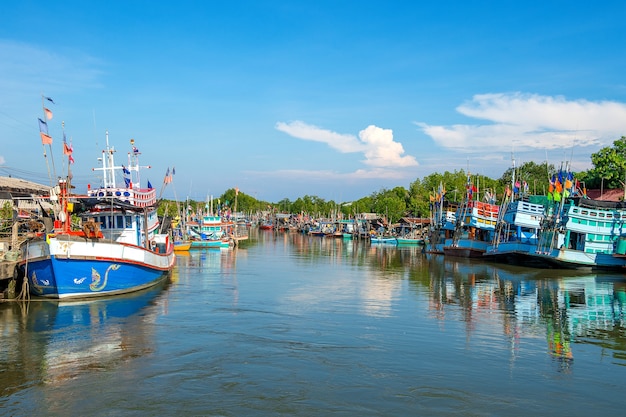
(68, 150)
(45, 139)
(48, 113)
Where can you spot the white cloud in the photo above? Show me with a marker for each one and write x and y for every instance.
(342, 143)
(528, 121)
(375, 143)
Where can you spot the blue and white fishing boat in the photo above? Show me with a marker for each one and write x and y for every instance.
(517, 231)
(116, 249)
(572, 231)
(582, 234)
(519, 223)
(384, 239)
(213, 232)
(476, 221)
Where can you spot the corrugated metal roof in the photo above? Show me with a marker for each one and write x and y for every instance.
(19, 185)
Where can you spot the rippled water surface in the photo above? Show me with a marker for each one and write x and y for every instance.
(295, 325)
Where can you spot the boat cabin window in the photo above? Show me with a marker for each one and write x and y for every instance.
(119, 222)
(104, 224)
(129, 222)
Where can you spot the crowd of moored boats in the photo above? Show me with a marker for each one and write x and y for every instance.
(111, 241)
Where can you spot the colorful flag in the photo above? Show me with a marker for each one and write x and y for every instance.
(45, 139)
(125, 170)
(48, 113)
(50, 100)
(68, 149)
(149, 185)
(168, 177)
(43, 126)
(173, 170)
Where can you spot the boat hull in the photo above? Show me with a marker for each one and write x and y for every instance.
(204, 244)
(66, 270)
(461, 252)
(573, 259)
(409, 241)
(182, 246)
(384, 240)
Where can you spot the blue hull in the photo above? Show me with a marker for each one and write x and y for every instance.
(200, 244)
(75, 278)
(384, 240)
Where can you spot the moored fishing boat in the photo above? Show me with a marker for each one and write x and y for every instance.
(476, 221)
(582, 234)
(213, 233)
(182, 245)
(388, 240)
(412, 231)
(442, 222)
(409, 240)
(117, 250)
(577, 232)
(516, 232)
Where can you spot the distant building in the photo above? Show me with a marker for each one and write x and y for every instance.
(22, 195)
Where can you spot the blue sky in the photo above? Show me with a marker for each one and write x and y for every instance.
(336, 99)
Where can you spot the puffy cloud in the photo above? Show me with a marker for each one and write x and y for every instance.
(375, 143)
(341, 142)
(381, 150)
(528, 121)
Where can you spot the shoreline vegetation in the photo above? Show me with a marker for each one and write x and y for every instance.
(608, 173)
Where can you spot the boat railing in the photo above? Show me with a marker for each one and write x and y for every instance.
(140, 197)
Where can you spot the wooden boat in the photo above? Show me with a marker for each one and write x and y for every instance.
(582, 234)
(409, 241)
(572, 232)
(473, 234)
(266, 225)
(517, 231)
(182, 245)
(213, 233)
(117, 250)
(388, 240)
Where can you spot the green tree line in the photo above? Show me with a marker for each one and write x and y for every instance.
(609, 171)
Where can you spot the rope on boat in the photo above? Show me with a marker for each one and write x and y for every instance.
(24, 294)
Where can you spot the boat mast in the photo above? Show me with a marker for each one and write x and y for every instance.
(45, 156)
(108, 165)
(133, 166)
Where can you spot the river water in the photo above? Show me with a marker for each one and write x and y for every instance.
(304, 326)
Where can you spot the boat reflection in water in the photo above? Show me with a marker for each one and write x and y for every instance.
(562, 306)
(52, 342)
